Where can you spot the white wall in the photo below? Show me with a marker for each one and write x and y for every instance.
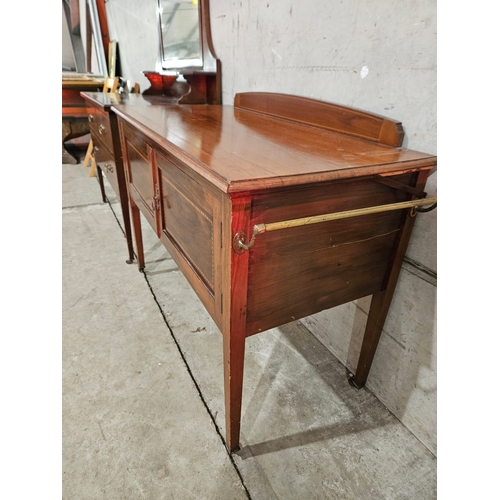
(323, 50)
(132, 23)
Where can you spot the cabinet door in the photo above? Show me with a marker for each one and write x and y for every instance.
(190, 227)
(141, 174)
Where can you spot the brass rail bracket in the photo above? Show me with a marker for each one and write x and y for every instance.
(239, 245)
(239, 239)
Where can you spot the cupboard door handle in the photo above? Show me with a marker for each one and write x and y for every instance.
(102, 129)
(155, 203)
(108, 168)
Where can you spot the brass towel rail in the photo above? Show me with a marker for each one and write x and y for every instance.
(239, 238)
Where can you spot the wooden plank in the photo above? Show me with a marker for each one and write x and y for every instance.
(74, 112)
(324, 115)
(103, 23)
(74, 8)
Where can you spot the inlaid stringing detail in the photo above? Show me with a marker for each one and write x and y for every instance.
(210, 220)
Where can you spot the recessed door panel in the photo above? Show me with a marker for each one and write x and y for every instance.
(140, 171)
(187, 218)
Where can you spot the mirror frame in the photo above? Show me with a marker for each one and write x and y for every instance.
(208, 59)
(184, 83)
(164, 64)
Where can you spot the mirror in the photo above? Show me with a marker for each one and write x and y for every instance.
(186, 67)
(179, 35)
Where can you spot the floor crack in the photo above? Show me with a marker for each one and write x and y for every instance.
(212, 417)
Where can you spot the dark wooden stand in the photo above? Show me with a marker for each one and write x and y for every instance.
(205, 176)
(198, 87)
(74, 114)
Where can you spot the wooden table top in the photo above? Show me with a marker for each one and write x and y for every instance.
(240, 150)
(107, 99)
(81, 81)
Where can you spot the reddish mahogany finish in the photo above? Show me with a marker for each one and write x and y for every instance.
(103, 127)
(201, 174)
(74, 114)
(203, 84)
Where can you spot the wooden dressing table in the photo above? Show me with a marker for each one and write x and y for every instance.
(103, 127)
(274, 209)
(185, 73)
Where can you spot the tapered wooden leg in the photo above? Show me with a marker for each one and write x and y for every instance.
(381, 301)
(128, 232)
(376, 318)
(234, 356)
(234, 329)
(101, 183)
(136, 222)
(124, 202)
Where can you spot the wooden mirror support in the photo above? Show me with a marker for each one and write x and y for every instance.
(191, 84)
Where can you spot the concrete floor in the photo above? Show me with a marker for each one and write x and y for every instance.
(143, 410)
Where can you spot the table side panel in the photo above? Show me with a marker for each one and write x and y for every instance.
(299, 271)
(105, 159)
(101, 127)
(96, 117)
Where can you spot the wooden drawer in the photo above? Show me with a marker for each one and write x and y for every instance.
(100, 126)
(105, 159)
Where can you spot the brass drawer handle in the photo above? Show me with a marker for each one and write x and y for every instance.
(108, 168)
(96, 150)
(91, 118)
(102, 129)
